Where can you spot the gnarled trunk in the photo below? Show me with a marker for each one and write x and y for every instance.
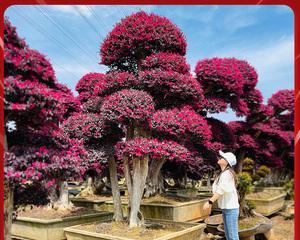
(53, 197)
(8, 201)
(99, 185)
(63, 201)
(140, 171)
(118, 213)
(154, 182)
(239, 165)
(128, 180)
(8, 210)
(245, 211)
(135, 178)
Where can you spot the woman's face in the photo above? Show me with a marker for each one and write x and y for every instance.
(222, 162)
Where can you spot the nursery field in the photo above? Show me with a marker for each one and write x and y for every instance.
(139, 150)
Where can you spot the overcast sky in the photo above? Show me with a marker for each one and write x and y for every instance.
(70, 36)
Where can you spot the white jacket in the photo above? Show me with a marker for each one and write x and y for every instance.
(226, 189)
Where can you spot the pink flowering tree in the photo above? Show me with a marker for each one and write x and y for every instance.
(85, 88)
(151, 95)
(229, 82)
(35, 104)
(99, 138)
(267, 135)
(138, 36)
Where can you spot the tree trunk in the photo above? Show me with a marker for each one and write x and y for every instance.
(239, 165)
(185, 180)
(63, 201)
(8, 210)
(89, 188)
(140, 171)
(8, 200)
(53, 198)
(118, 213)
(245, 211)
(154, 182)
(208, 184)
(128, 180)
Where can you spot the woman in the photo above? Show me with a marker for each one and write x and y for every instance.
(224, 190)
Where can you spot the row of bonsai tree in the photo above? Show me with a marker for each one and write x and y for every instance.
(146, 119)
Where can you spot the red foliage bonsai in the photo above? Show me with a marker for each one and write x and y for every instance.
(36, 151)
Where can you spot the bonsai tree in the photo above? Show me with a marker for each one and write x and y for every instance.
(232, 82)
(244, 188)
(151, 95)
(267, 133)
(36, 104)
(229, 82)
(98, 139)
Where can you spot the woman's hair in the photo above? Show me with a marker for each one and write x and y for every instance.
(231, 170)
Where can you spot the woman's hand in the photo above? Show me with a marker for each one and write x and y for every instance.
(206, 207)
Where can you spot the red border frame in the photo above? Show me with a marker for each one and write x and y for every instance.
(293, 4)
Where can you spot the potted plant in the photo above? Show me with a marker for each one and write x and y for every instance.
(130, 100)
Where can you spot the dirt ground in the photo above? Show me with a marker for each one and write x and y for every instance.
(46, 213)
(121, 229)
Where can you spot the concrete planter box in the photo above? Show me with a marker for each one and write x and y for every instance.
(188, 192)
(40, 229)
(190, 211)
(193, 232)
(268, 206)
(269, 189)
(181, 212)
(98, 205)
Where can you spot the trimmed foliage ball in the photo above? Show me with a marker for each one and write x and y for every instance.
(166, 62)
(282, 100)
(182, 124)
(127, 106)
(139, 35)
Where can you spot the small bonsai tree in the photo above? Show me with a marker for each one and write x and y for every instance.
(244, 187)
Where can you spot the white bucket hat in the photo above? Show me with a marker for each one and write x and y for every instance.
(229, 157)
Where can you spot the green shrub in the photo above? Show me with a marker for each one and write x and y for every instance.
(289, 187)
(248, 164)
(263, 171)
(251, 205)
(244, 183)
(256, 177)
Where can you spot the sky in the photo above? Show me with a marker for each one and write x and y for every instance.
(70, 37)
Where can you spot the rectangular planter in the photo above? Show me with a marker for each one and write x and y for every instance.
(190, 211)
(40, 229)
(98, 205)
(188, 192)
(268, 206)
(193, 232)
(269, 189)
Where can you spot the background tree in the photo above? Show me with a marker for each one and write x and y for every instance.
(35, 103)
(98, 138)
(229, 82)
(267, 134)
